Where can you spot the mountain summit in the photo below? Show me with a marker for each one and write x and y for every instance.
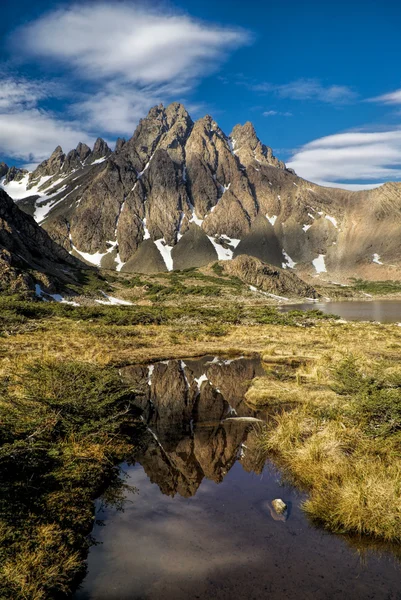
(180, 194)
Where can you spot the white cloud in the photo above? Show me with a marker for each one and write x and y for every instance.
(21, 93)
(346, 158)
(115, 111)
(33, 134)
(28, 133)
(308, 89)
(125, 58)
(128, 42)
(276, 113)
(391, 98)
(118, 107)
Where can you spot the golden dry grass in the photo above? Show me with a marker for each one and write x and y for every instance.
(354, 480)
(353, 474)
(96, 343)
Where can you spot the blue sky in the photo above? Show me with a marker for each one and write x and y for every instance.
(321, 81)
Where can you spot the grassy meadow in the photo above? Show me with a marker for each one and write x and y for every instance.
(67, 421)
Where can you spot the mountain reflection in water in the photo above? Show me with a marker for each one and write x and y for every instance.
(200, 523)
(198, 424)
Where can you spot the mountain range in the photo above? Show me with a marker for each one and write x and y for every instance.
(181, 194)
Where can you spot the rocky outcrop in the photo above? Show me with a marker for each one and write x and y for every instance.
(261, 242)
(48, 167)
(100, 150)
(194, 250)
(174, 174)
(3, 169)
(247, 146)
(267, 278)
(14, 174)
(28, 254)
(147, 259)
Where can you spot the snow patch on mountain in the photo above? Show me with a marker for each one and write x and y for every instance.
(146, 233)
(99, 160)
(332, 220)
(165, 251)
(195, 219)
(319, 264)
(289, 263)
(110, 300)
(274, 296)
(56, 297)
(222, 253)
(272, 219)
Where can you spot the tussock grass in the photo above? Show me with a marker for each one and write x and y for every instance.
(340, 440)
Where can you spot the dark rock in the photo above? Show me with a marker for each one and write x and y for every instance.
(100, 150)
(49, 167)
(3, 169)
(147, 259)
(193, 250)
(15, 174)
(120, 143)
(26, 249)
(261, 242)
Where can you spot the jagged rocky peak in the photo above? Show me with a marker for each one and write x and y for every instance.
(179, 194)
(179, 125)
(83, 151)
(142, 144)
(247, 146)
(163, 128)
(48, 167)
(100, 149)
(3, 169)
(120, 143)
(76, 158)
(176, 111)
(14, 174)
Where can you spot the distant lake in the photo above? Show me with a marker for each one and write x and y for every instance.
(384, 311)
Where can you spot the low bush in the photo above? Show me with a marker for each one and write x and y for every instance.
(63, 428)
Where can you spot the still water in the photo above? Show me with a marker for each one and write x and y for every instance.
(199, 523)
(384, 311)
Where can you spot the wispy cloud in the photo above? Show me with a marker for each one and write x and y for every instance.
(276, 113)
(122, 57)
(129, 42)
(390, 98)
(27, 132)
(21, 93)
(116, 108)
(306, 89)
(345, 159)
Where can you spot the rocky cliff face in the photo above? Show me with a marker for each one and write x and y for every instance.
(180, 194)
(27, 253)
(271, 280)
(192, 412)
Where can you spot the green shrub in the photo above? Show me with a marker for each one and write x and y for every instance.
(376, 287)
(63, 428)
